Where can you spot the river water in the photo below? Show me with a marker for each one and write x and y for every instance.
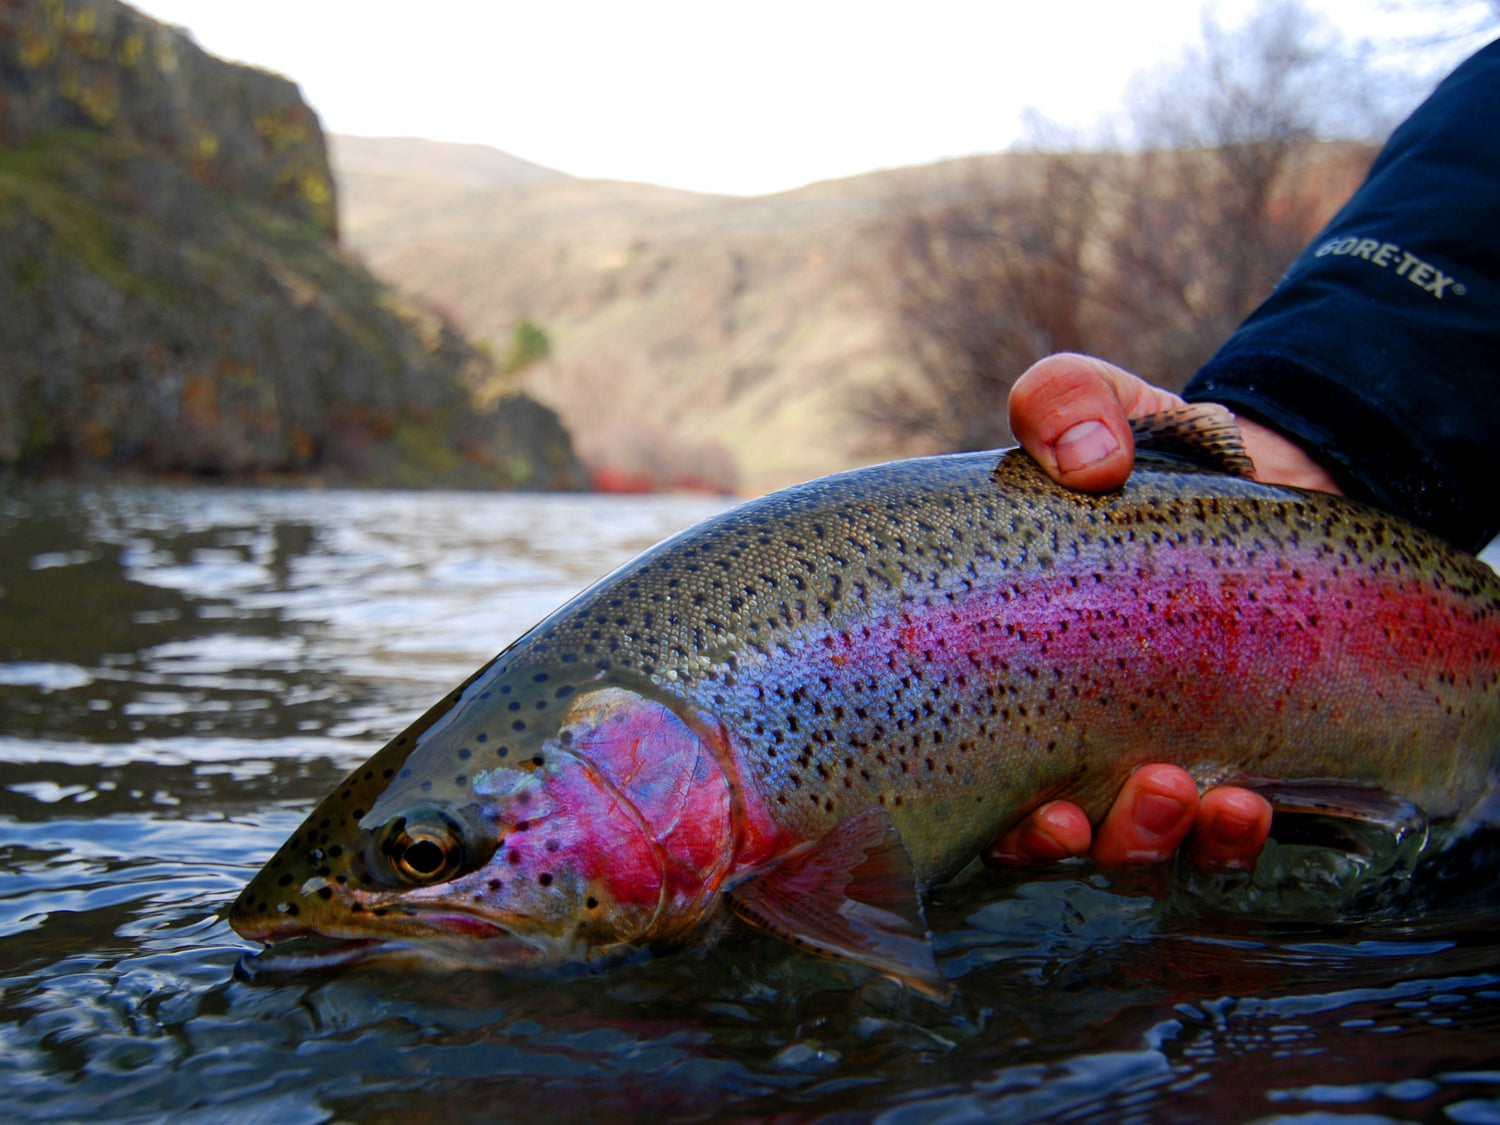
(183, 673)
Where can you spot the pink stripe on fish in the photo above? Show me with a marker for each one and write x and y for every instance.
(1203, 646)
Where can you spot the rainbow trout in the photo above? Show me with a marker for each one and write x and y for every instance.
(813, 707)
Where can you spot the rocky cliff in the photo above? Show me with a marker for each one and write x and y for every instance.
(172, 295)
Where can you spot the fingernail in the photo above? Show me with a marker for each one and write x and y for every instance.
(1231, 831)
(1083, 445)
(1036, 846)
(1157, 814)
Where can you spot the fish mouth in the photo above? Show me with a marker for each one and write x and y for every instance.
(306, 955)
(437, 940)
(392, 920)
(435, 925)
(314, 953)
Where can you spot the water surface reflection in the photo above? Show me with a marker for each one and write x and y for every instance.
(184, 672)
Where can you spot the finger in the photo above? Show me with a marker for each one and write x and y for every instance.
(1071, 413)
(1058, 830)
(1152, 816)
(1232, 827)
(1279, 460)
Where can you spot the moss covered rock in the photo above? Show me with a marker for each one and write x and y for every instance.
(172, 296)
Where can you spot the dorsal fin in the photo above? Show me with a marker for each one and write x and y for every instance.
(1201, 432)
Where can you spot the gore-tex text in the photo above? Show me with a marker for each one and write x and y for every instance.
(1386, 255)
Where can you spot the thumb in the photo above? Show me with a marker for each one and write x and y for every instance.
(1071, 413)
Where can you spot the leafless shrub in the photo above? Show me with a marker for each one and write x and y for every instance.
(984, 284)
(1148, 257)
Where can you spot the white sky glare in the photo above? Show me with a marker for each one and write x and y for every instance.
(727, 97)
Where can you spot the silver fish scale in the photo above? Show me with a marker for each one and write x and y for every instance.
(885, 637)
(748, 614)
(831, 550)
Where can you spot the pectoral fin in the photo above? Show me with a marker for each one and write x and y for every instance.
(1332, 813)
(853, 895)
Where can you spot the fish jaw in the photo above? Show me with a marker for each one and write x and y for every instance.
(439, 951)
(612, 830)
(435, 940)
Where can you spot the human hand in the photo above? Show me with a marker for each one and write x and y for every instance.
(1072, 414)
(1156, 811)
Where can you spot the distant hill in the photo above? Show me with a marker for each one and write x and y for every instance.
(716, 339)
(689, 332)
(407, 158)
(383, 179)
(173, 298)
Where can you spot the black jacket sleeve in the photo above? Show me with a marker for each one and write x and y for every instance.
(1379, 351)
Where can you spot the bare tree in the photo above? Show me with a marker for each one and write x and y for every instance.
(986, 281)
(1230, 183)
(1149, 257)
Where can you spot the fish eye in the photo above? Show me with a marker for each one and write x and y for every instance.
(424, 846)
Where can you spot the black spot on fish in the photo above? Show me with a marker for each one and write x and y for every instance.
(325, 893)
(544, 879)
(463, 754)
(495, 884)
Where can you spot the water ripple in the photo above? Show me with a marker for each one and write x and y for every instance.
(213, 661)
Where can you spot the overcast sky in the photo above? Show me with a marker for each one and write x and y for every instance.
(741, 98)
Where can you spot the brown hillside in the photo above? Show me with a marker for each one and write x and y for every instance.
(684, 322)
(692, 335)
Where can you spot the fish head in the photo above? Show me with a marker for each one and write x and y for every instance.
(530, 820)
